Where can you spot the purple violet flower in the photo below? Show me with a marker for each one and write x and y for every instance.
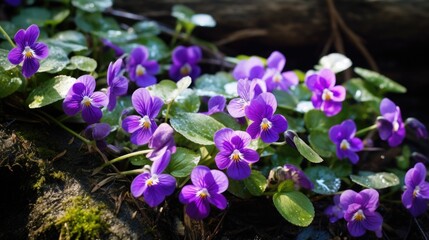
(234, 154)
(28, 50)
(142, 127)
(140, 69)
(247, 90)
(326, 96)
(13, 3)
(416, 195)
(417, 127)
(185, 61)
(335, 212)
(118, 51)
(207, 188)
(274, 77)
(98, 132)
(390, 125)
(153, 185)
(343, 135)
(216, 104)
(265, 124)
(359, 212)
(162, 143)
(249, 69)
(81, 97)
(295, 174)
(118, 84)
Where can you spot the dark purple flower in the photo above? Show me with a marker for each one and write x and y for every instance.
(116, 82)
(295, 174)
(335, 212)
(343, 135)
(390, 125)
(249, 69)
(417, 127)
(265, 124)
(142, 127)
(118, 51)
(98, 132)
(13, 3)
(185, 60)
(216, 104)
(207, 188)
(416, 195)
(162, 143)
(81, 97)
(326, 96)
(359, 211)
(140, 69)
(28, 50)
(247, 90)
(274, 77)
(234, 154)
(154, 186)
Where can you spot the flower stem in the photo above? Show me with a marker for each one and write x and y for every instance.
(7, 37)
(66, 128)
(120, 158)
(168, 111)
(132, 172)
(370, 128)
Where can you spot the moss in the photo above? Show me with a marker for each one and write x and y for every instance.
(39, 183)
(59, 175)
(82, 220)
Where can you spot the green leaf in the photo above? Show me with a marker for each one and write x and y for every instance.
(306, 151)
(226, 120)
(403, 161)
(66, 46)
(4, 61)
(286, 186)
(59, 17)
(140, 161)
(147, 28)
(83, 63)
(9, 27)
(320, 142)
(91, 5)
(203, 20)
(221, 83)
(342, 168)
(182, 12)
(375, 180)
(32, 15)
(295, 207)
(285, 99)
(157, 48)
(360, 90)
(317, 120)
(56, 61)
(196, 127)
(380, 81)
(187, 101)
(182, 162)
(168, 90)
(94, 22)
(256, 183)
(116, 36)
(50, 91)
(113, 118)
(238, 189)
(324, 180)
(9, 84)
(69, 41)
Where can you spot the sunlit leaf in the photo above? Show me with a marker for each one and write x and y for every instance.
(83, 63)
(295, 207)
(375, 180)
(256, 183)
(183, 162)
(91, 5)
(50, 91)
(324, 179)
(380, 81)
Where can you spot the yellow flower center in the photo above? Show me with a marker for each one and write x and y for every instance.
(152, 181)
(203, 193)
(185, 70)
(358, 216)
(236, 156)
(327, 95)
(145, 122)
(277, 78)
(86, 101)
(344, 145)
(28, 52)
(266, 124)
(140, 70)
(416, 191)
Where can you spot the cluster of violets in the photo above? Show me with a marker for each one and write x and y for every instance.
(255, 105)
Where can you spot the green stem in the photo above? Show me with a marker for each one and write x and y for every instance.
(176, 34)
(168, 111)
(132, 172)
(269, 193)
(120, 158)
(362, 131)
(279, 143)
(66, 128)
(7, 36)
